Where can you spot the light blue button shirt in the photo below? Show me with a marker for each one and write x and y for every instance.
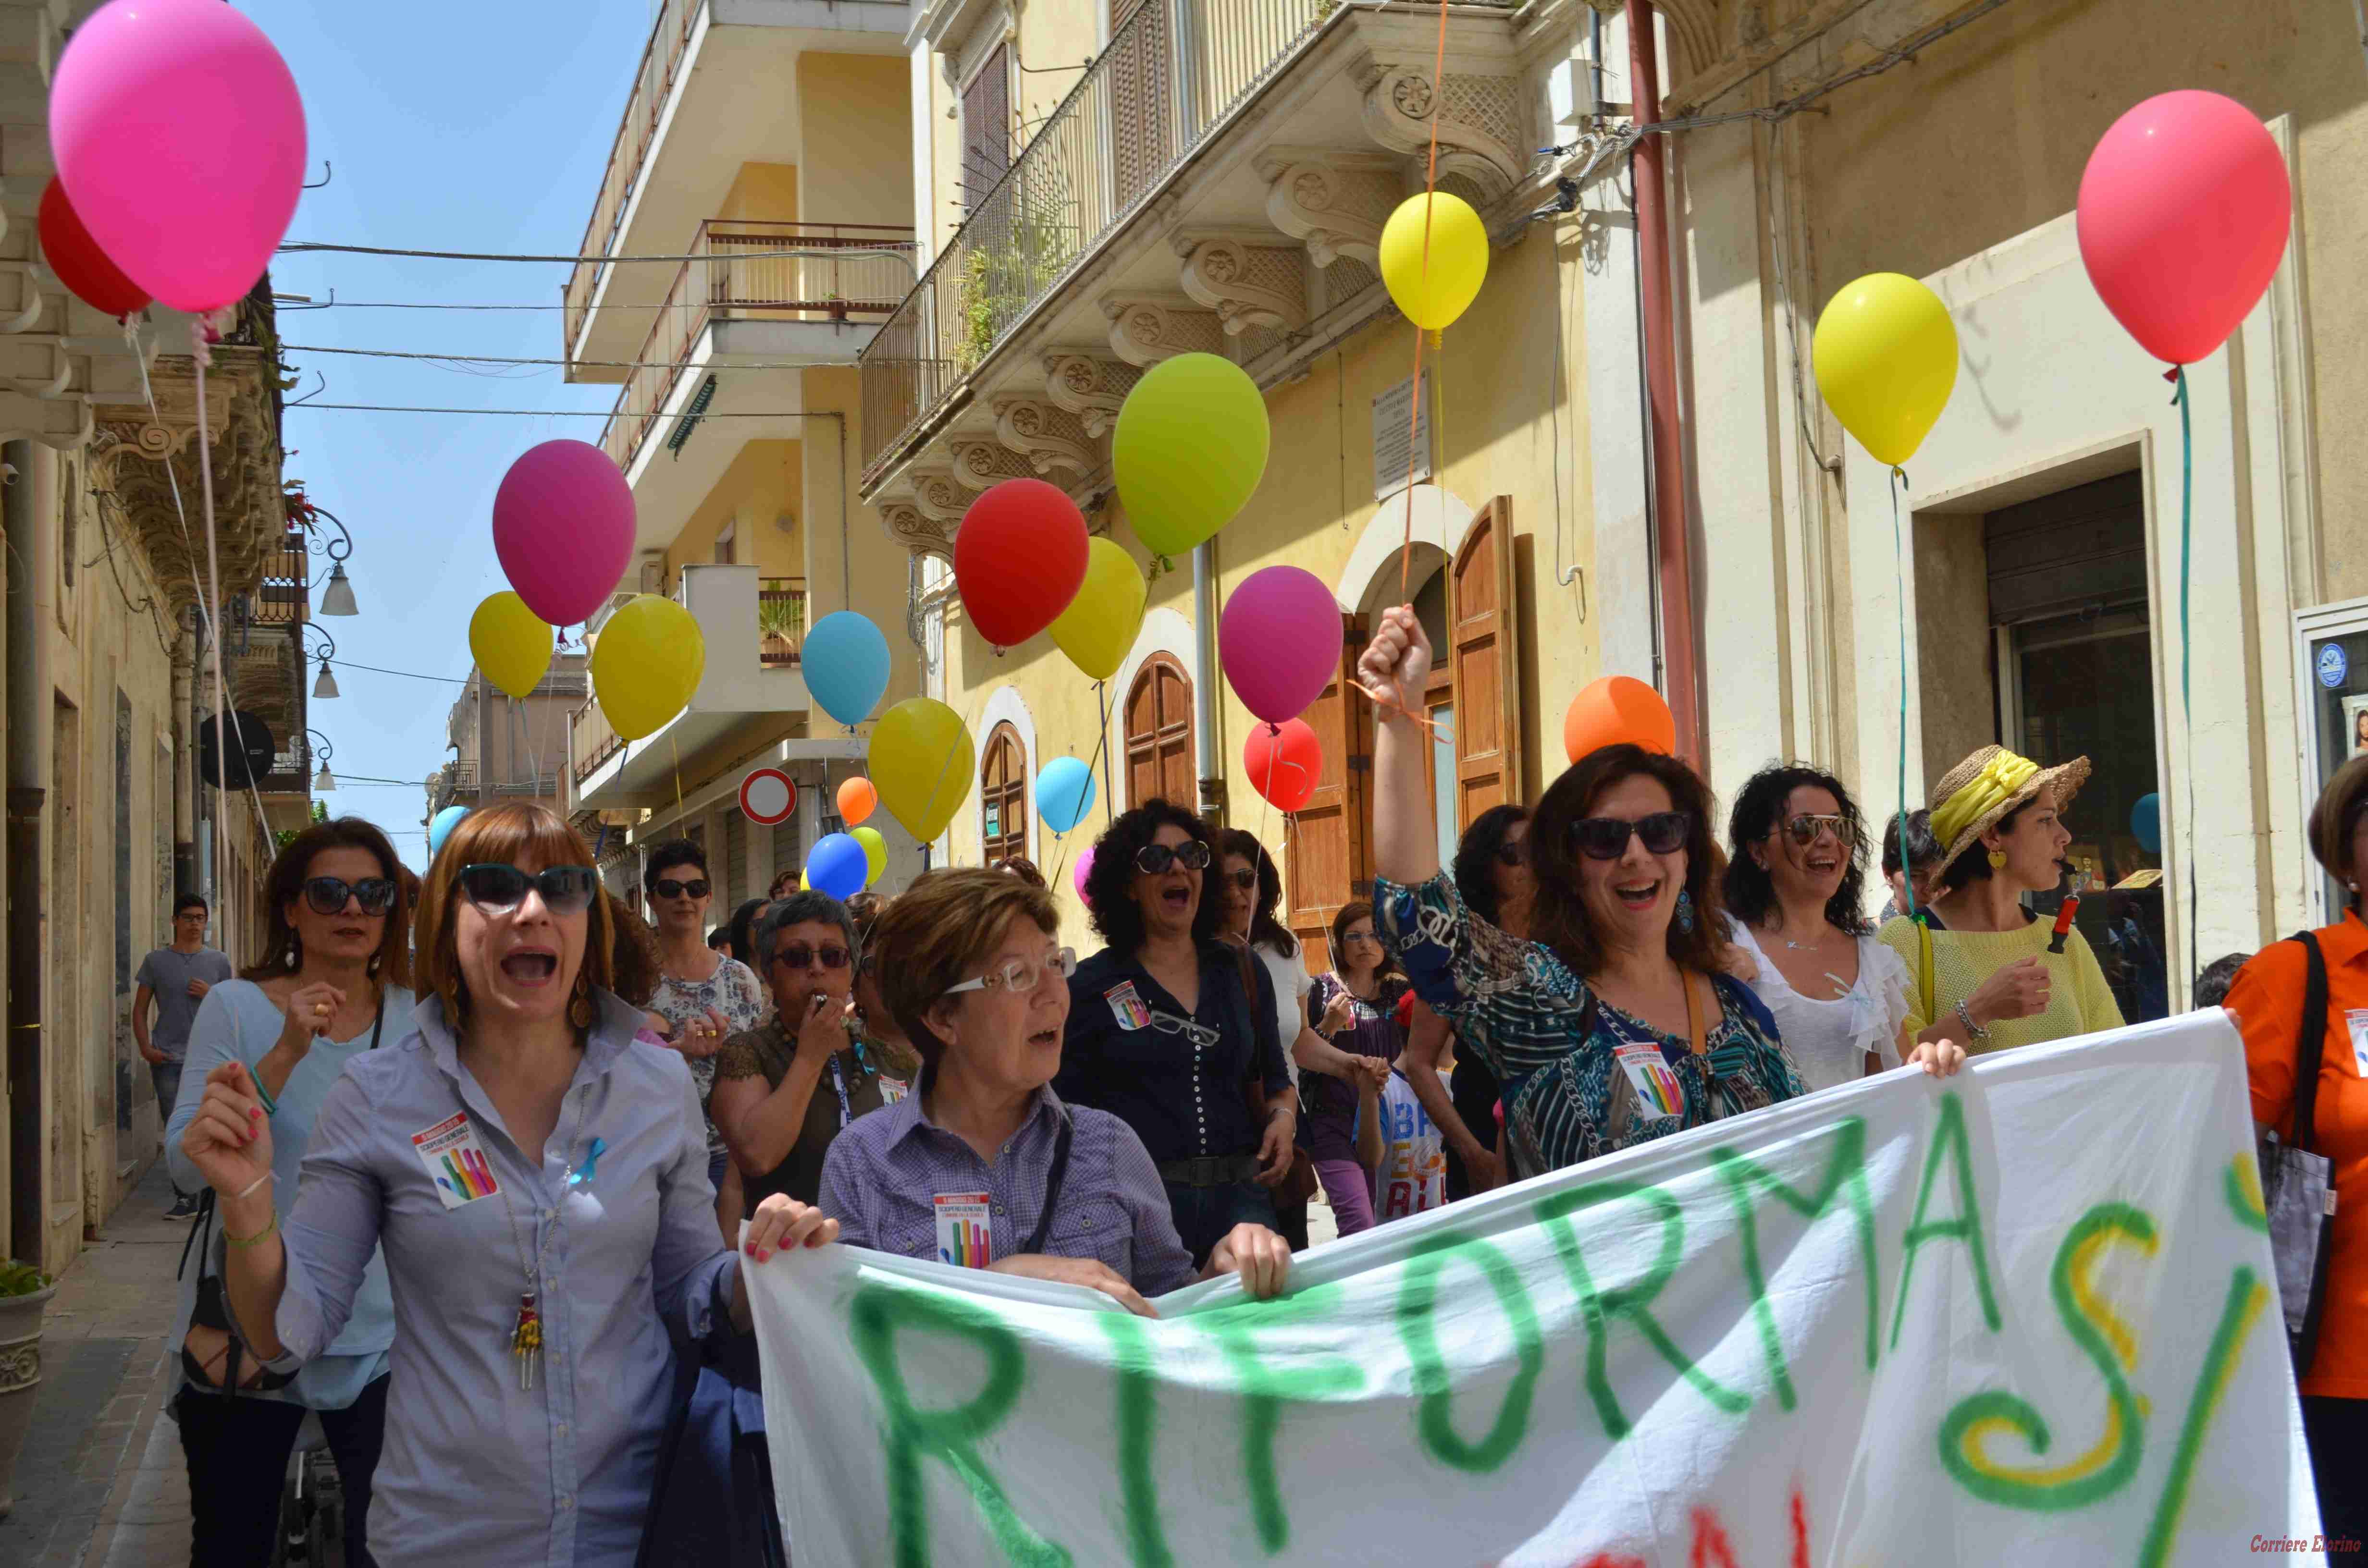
(474, 1469)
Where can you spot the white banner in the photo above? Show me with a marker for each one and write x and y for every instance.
(2025, 1315)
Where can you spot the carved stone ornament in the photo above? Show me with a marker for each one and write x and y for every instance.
(1050, 439)
(1092, 388)
(1248, 286)
(908, 527)
(21, 1364)
(941, 497)
(1337, 208)
(982, 463)
(1480, 115)
(1145, 331)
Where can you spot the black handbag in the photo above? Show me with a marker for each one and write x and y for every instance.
(2298, 1182)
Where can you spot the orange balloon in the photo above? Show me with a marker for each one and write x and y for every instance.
(1615, 710)
(856, 799)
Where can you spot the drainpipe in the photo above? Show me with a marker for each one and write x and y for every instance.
(185, 773)
(1204, 687)
(1666, 487)
(27, 506)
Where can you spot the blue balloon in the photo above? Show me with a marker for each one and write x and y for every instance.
(838, 866)
(1065, 793)
(846, 663)
(2145, 822)
(441, 828)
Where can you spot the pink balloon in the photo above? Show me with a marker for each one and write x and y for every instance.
(1279, 639)
(2184, 210)
(180, 138)
(1085, 869)
(564, 529)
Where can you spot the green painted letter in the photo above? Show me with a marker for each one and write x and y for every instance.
(1949, 1140)
(1846, 1169)
(1417, 1300)
(1264, 1390)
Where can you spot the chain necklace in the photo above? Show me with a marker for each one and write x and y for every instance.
(525, 1331)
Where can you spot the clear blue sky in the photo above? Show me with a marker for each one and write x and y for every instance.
(473, 127)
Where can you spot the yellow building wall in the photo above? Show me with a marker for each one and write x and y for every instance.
(855, 114)
(764, 484)
(762, 191)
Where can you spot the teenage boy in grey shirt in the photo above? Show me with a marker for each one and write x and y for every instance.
(176, 978)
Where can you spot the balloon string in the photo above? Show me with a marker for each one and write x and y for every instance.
(1101, 756)
(1430, 195)
(2187, 646)
(675, 751)
(1899, 592)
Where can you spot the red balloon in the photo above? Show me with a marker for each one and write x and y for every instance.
(1020, 558)
(80, 265)
(1618, 710)
(2184, 210)
(1285, 763)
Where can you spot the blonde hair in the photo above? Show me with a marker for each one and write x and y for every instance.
(937, 933)
(613, 953)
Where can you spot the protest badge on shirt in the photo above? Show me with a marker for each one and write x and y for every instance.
(965, 1231)
(1650, 1075)
(2358, 1018)
(893, 1089)
(1131, 1010)
(456, 1162)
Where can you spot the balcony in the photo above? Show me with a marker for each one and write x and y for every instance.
(717, 86)
(739, 681)
(1217, 181)
(454, 784)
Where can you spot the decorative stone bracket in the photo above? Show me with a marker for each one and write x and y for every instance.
(1148, 328)
(1480, 122)
(1336, 202)
(1247, 285)
(1049, 438)
(1092, 388)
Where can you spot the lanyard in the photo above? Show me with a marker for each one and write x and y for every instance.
(838, 1081)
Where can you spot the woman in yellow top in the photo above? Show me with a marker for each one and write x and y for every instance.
(1984, 964)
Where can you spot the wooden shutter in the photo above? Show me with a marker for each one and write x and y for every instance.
(1140, 69)
(1159, 736)
(986, 127)
(1484, 664)
(1328, 857)
(1003, 795)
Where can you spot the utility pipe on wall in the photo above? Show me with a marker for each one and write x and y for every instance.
(29, 507)
(1666, 488)
(1205, 688)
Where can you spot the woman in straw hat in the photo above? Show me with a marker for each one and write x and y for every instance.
(1979, 962)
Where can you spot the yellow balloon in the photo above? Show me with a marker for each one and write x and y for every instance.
(803, 885)
(920, 763)
(509, 643)
(1886, 360)
(646, 665)
(876, 852)
(1435, 295)
(1097, 629)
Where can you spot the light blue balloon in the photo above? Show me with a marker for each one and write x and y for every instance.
(1065, 793)
(838, 866)
(2146, 823)
(846, 662)
(441, 828)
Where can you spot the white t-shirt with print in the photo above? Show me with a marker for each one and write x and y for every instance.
(1413, 1178)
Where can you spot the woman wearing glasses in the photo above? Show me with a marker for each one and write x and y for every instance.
(334, 982)
(1795, 886)
(1173, 1030)
(1357, 1003)
(1614, 1024)
(538, 1183)
(706, 996)
(784, 1089)
(972, 967)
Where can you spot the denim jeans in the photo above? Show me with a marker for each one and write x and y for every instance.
(168, 1078)
(1204, 1214)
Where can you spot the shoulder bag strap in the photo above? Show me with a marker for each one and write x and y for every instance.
(2310, 1046)
(379, 1022)
(1697, 1030)
(1053, 1180)
(1924, 969)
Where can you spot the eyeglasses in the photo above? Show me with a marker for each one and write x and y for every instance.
(1510, 852)
(497, 889)
(1803, 829)
(327, 895)
(1606, 838)
(670, 889)
(1019, 976)
(797, 955)
(1355, 937)
(1154, 859)
(1199, 1034)
(1245, 879)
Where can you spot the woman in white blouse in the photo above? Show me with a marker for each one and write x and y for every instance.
(1795, 883)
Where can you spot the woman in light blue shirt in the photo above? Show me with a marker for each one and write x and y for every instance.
(335, 980)
(538, 1181)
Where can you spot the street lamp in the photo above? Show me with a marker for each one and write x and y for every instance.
(326, 686)
(337, 598)
(323, 782)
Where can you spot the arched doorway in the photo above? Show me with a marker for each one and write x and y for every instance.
(1003, 795)
(1158, 723)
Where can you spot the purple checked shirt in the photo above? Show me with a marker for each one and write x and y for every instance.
(882, 1172)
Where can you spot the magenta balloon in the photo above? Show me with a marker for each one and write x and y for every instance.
(1085, 870)
(1279, 639)
(564, 529)
(2184, 210)
(179, 136)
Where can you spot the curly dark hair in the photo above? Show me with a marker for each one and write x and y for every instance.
(1560, 918)
(1266, 931)
(1751, 893)
(667, 856)
(1922, 848)
(1475, 858)
(1110, 887)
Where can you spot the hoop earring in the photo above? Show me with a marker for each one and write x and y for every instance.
(1686, 910)
(579, 1009)
(1998, 860)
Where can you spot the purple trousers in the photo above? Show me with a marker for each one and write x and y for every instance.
(1351, 1200)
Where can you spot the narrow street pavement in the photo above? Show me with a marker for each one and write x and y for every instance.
(101, 1484)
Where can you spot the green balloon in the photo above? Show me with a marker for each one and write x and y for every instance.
(1190, 450)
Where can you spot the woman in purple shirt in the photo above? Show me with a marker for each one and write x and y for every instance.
(1354, 1006)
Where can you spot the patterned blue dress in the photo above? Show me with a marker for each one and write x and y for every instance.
(1581, 1078)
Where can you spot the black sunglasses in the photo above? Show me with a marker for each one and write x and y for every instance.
(797, 955)
(1243, 880)
(671, 888)
(327, 895)
(1510, 852)
(1606, 838)
(499, 889)
(1153, 860)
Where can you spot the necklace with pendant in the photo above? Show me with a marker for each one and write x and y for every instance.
(526, 1330)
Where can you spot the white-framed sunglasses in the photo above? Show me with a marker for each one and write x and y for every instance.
(1019, 976)
(1200, 1034)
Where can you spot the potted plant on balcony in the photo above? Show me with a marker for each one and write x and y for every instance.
(778, 623)
(24, 1291)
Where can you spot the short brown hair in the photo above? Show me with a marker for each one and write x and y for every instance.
(614, 953)
(937, 933)
(284, 884)
(2337, 816)
(1559, 919)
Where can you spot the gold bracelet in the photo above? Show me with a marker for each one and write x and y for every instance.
(270, 1226)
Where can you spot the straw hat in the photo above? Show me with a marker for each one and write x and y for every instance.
(1973, 796)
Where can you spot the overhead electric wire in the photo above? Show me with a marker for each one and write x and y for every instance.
(409, 675)
(554, 413)
(885, 247)
(602, 364)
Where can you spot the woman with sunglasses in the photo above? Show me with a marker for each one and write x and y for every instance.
(1357, 1001)
(1795, 885)
(1614, 1024)
(1173, 1030)
(334, 982)
(784, 1089)
(539, 1182)
(972, 967)
(706, 996)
